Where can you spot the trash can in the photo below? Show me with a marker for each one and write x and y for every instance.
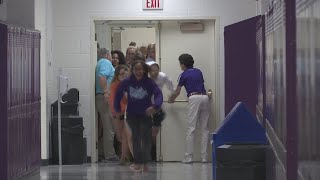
(70, 107)
(73, 143)
(235, 162)
(239, 147)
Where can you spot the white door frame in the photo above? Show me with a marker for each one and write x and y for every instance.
(93, 51)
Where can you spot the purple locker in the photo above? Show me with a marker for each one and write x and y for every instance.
(279, 104)
(20, 101)
(240, 64)
(308, 86)
(275, 109)
(260, 45)
(3, 102)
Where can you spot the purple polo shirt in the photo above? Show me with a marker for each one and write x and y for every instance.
(192, 80)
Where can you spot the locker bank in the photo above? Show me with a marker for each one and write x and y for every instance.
(259, 61)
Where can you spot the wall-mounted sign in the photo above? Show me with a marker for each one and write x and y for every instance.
(152, 4)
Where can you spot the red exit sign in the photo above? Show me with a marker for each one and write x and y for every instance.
(152, 4)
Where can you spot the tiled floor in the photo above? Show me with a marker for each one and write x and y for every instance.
(310, 170)
(157, 171)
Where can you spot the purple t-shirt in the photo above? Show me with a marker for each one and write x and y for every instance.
(139, 95)
(192, 80)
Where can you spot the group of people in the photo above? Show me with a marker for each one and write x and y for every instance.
(129, 99)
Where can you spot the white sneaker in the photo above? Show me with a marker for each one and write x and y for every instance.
(187, 160)
(204, 160)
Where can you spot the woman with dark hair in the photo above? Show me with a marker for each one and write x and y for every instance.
(117, 58)
(133, 44)
(140, 89)
(144, 50)
(122, 129)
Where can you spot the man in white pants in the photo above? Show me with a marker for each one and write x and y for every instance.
(198, 109)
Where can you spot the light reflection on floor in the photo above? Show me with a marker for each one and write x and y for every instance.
(113, 171)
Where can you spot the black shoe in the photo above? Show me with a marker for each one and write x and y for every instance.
(113, 159)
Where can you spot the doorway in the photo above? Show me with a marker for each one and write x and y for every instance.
(171, 41)
(122, 36)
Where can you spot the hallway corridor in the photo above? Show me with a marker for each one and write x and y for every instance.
(103, 171)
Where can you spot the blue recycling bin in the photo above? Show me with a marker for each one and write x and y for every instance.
(239, 127)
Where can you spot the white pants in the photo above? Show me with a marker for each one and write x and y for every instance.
(198, 112)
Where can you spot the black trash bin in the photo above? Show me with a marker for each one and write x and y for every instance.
(241, 162)
(73, 143)
(70, 107)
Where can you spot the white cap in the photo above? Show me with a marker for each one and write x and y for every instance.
(150, 63)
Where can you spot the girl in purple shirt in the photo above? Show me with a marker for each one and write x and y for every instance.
(140, 108)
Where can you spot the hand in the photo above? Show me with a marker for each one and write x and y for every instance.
(119, 137)
(155, 130)
(150, 111)
(117, 115)
(106, 96)
(170, 100)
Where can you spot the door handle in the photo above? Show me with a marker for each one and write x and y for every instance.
(210, 93)
(177, 101)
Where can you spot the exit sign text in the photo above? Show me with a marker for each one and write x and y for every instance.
(152, 4)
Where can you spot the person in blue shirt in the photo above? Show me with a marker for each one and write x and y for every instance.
(139, 88)
(198, 106)
(104, 76)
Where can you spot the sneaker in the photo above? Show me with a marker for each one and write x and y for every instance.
(136, 168)
(187, 160)
(204, 160)
(112, 159)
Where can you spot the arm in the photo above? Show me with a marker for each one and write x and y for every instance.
(169, 84)
(104, 72)
(118, 97)
(113, 90)
(104, 84)
(158, 100)
(175, 94)
(158, 96)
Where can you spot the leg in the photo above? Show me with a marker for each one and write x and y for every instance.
(137, 149)
(108, 132)
(203, 120)
(155, 131)
(129, 136)
(192, 116)
(146, 139)
(100, 139)
(124, 143)
(124, 147)
(135, 126)
(118, 124)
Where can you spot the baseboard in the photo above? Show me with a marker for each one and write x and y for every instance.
(88, 159)
(28, 174)
(47, 162)
(44, 162)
